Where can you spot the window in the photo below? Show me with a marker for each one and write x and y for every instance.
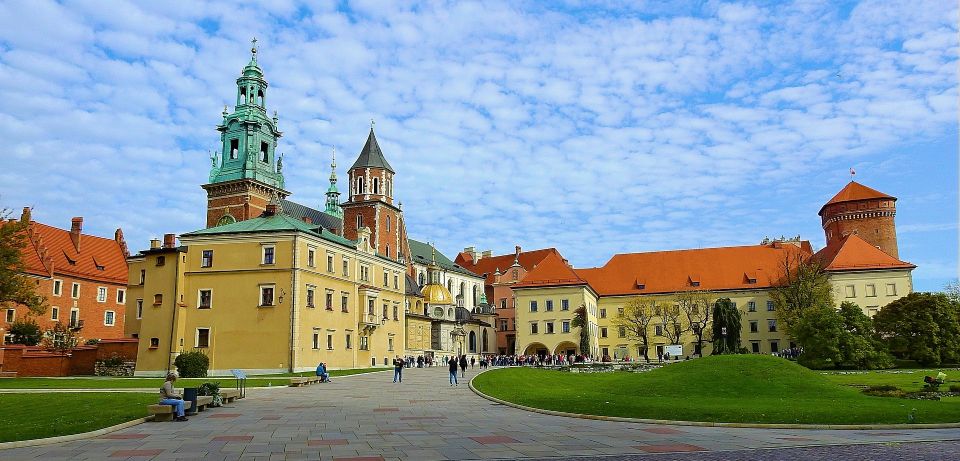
(74, 317)
(754, 326)
(871, 290)
(751, 306)
(330, 262)
(549, 305)
(386, 279)
(771, 325)
(565, 326)
(389, 344)
(140, 308)
(264, 149)
(396, 312)
(57, 287)
(311, 296)
(533, 306)
(771, 307)
(205, 299)
(268, 255)
(850, 291)
(365, 273)
(75, 291)
(143, 276)
(620, 312)
(349, 343)
(549, 328)
(503, 325)
(891, 289)
(376, 185)
(161, 260)
(533, 328)
(109, 317)
(266, 295)
(564, 304)
(344, 299)
(755, 347)
(203, 338)
(603, 332)
(346, 267)
(154, 343)
(311, 257)
(603, 313)
(622, 331)
(316, 340)
(11, 315)
(388, 228)
(503, 303)
(121, 296)
(774, 347)
(658, 330)
(101, 294)
(365, 345)
(396, 281)
(234, 148)
(54, 313)
(370, 306)
(360, 217)
(329, 342)
(157, 299)
(206, 258)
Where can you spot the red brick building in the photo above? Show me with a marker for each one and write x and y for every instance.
(501, 273)
(860, 210)
(83, 277)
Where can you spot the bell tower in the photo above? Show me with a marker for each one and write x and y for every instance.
(247, 172)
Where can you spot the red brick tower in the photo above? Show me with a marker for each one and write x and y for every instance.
(370, 204)
(869, 213)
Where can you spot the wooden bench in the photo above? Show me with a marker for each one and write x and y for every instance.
(164, 412)
(203, 401)
(229, 395)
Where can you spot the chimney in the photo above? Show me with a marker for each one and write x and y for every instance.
(271, 210)
(487, 254)
(472, 252)
(169, 240)
(25, 217)
(517, 253)
(76, 226)
(307, 220)
(154, 243)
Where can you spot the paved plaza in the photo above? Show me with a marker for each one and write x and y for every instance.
(366, 417)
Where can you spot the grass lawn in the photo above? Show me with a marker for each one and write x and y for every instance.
(908, 380)
(729, 388)
(36, 416)
(128, 383)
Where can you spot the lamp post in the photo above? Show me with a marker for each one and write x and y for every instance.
(723, 338)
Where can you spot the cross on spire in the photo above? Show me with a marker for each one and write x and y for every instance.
(253, 49)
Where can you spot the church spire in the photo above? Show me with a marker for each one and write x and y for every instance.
(333, 195)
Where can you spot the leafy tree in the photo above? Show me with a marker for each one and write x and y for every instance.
(695, 305)
(15, 287)
(726, 327)
(636, 318)
(839, 338)
(580, 321)
(26, 332)
(668, 316)
(60, 338)
(803, 285)
(952, 290)
(921, 326)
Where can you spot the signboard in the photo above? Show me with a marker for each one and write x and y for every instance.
(239, 374)
(675, 350)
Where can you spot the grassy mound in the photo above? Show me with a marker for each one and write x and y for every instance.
(37, 416)
(731, 388)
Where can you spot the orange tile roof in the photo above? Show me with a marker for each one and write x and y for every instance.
(552, 271)
(94, 251)
(855, 191)
(725, 268)
(854, 253)
(489, 265)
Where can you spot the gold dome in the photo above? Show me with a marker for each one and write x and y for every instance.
(434, 294)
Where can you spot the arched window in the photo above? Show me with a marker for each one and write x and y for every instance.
(484, 341)
(243, 95)
(420, 278)
(450, 285)
(376, 185)
(361, 186)
(260, 97)
(473, 341)
(388, 250)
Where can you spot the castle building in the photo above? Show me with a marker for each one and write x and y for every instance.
(862, 211)
(83, 277)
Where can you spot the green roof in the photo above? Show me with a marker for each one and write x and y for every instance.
(277, 223)
(422, 254)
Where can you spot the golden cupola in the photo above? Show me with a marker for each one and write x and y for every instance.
(434, 293)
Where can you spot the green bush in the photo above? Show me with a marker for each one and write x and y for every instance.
(92, 342)
(26, 332)
(114, 361)
(192, 364)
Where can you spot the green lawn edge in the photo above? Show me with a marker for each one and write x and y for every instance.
(725, 389)
(90, 382)
(39, 416)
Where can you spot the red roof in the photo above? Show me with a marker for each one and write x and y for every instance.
(855, 191)
(725, 268)
(489, 265)
(99, 258)
(552, 271)
(854, 253)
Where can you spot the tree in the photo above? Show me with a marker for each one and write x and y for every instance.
(803, 285)
(837, 338)
(60, 338)
(952, 290)
(921, 326)
(726, 327)
(26, 332)
(669, 319)
(580, 321)
(695, 305)
(636, 318)
(15, 287)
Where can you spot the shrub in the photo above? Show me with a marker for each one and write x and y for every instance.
(212, 389)
(92, 342)
(114, 361)
(192, 364)
(26, 332)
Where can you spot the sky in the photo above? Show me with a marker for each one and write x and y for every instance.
(593, 127)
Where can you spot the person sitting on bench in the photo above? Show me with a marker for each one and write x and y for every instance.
(322, 373)
(169, 397)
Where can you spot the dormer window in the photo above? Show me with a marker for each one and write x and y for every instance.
(264, 148)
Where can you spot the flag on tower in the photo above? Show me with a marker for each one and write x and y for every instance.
(852, 172)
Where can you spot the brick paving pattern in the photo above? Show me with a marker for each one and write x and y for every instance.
(434, 421)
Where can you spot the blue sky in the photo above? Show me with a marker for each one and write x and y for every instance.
(591, 127)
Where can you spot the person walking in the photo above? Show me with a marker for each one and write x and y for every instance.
(473, 362)
(452, 365)
(398, 369)
(168, 396)
(463, 366)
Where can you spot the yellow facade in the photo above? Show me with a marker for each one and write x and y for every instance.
(329, 303)
(871, 290)
(544, 319)
(418, 334)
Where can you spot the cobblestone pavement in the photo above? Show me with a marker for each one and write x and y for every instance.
(366, 417)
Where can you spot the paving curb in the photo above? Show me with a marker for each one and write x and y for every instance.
(707, 423)
(73, 437)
